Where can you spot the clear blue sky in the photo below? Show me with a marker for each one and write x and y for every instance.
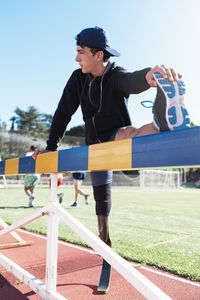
(37, 48)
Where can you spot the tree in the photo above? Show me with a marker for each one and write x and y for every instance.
(192, 124)
(46, 119)
(13, 124)
(31, 122)
(76, 131)
(75, 136)
(3, 141)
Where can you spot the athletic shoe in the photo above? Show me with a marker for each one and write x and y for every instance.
(30, 202)
(86, 199)
(60, 197)
(74, 204)
(169, 109)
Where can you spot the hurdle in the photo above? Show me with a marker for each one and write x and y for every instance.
(168, 149)
(19, 241)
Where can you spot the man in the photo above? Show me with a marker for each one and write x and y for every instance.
(30, 181)
(102, 89)
(59, 181)
(78, 178)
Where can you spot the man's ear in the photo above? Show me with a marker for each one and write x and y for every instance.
(100, 55)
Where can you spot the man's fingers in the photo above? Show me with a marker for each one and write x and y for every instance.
(179, 75)
(167, 73)
(152, 82)
(171, 74)
(35, 153)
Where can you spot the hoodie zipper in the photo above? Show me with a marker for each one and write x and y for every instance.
(93, 122)
(100, 104)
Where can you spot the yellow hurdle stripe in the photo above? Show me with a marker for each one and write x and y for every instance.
(12, 166)
(47, 162)
(114, 155)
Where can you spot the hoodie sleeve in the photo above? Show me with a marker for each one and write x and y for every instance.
(67, 106)
(131, 82)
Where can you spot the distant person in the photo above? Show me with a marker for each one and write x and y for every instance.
(78, 177)
(59, 181)
(30, 181)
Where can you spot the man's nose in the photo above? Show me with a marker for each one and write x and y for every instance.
(77, 58)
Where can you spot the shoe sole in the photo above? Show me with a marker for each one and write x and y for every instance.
(87, 200)
(176, 115)
(60, 198)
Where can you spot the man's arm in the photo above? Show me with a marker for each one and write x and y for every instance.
(139, 81)
(67, 106)
(131, 82)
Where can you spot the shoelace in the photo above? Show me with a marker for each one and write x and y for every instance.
(146, 101)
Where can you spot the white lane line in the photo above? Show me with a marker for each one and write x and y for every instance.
(134, 264)
(169, 241)
(174, 277)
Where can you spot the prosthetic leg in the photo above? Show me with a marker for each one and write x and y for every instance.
(105, 272)
(103, 229)
(102, 194)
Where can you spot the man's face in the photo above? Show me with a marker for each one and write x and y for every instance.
(86, 60)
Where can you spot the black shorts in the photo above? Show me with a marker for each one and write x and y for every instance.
(78, 176)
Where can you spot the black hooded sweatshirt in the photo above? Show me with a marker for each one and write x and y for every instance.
(103, 103)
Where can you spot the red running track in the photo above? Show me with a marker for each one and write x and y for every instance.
(78, 274)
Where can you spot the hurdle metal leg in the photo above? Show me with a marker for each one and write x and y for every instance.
(52, 241)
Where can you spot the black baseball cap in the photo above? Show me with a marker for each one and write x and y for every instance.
(96, 37)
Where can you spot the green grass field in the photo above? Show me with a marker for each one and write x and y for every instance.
(155, 227)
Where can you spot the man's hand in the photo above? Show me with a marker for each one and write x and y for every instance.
(167, 73)
(36, 152)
